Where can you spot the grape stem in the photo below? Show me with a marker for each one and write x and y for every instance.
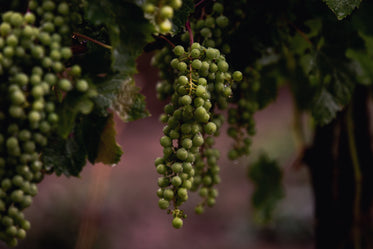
(93, 40)
(187, 25)
(357, 176)
(199, 3)
(167, 40)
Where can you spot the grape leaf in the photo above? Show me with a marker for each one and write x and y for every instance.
(72, 105)
(362, 61)
(129, 103)
(138, 108)
(325, 107)
(342, 8)
(128, 30)
(266, 176)
(109, 152)
(65, 156)
(181, 15)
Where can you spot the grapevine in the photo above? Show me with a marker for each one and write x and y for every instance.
(66, 67)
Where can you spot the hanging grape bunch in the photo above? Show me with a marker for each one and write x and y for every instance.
(32, 74)
(189, 162)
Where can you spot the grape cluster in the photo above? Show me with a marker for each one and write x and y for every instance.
(162, 60)
(189, 162)
(241, 113)
(32, 76)
(161, 13)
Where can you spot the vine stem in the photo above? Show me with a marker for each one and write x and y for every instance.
(199, 3)
(191, 39)
(167, 40)
(92, 40)
(358, 178)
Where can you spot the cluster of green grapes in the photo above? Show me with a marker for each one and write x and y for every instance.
(211, 28)
(162, 60)
(241, 113)
(161, 13)
(189, 162)
(33, 79)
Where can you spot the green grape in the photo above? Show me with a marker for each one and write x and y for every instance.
(177, 222)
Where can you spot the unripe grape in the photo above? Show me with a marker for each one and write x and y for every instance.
(187, 143)
(182, 192)
(203, 192)
(163, 182)
(199, 209)
(163, 204)
(237, 76)
(161, 169)
(29, 18)
(210, 128)
(223, 66)
(82, 85)
(66, 53)
(176, 181)
(21, 234)
(16, 19)
(185, 100)
(166, 12)
(17, 196)
(177, 222)
(176, 4)
(168, 194)
(5, 28)
(12, 40)
(177, 167)
(222, 21)
(178, 50)
(63, 8)
(65, 85)
(165, 26)
(149, 8)
(196, 64)
(206, 32)
(218, 8)
(195, 53)
(182, 67)
(165, 141)
(182, 154)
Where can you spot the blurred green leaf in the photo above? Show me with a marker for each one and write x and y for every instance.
(266, 176)
(109, 152)
(128, 30)
(342, 8)
(181, 15)
(65, 156)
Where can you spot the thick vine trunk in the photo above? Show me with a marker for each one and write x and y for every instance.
(341, 167)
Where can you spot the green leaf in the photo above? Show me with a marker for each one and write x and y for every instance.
(92, 127)
(181, 15)
(342, 8)
(109, 152)
(129, 103)
(72, 105)
(138, 108)
(65, 156)
(107, 89)
(325, 107)
(266, 176)
(362, 64)
(128, 30)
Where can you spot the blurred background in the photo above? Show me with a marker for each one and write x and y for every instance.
(117, 207)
